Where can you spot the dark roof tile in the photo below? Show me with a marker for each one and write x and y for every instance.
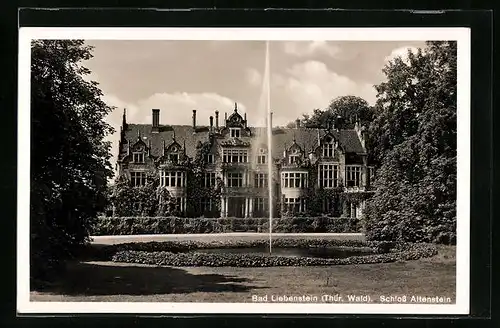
(283, 138)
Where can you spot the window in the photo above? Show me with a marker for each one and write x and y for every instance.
(235, 156)
(328, 176)
(294, 180)
(327, 148)
(179, 202)
(206, 205)
(138, 178)
(295, 205)
(209, 180)
(294, 159)
(172, 179)
(260, 180)
(261, 156)
(235, 133)
(208, 158)
(174, 158)
(353, 176)
(234, 179)
(328, 205)
(138, 157)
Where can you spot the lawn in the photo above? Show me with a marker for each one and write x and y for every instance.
(120, 282)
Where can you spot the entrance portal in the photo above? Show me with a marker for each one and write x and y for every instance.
(236, 207)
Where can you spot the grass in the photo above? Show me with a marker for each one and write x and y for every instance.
(120, 282)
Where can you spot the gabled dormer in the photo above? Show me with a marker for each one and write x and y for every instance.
(138, 150)
(236, 125)
(328, 146)
(173, 153)
(207, 151)
(295, 154)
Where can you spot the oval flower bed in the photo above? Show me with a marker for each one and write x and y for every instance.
(183, 253)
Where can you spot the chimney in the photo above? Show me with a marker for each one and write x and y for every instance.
(194, 119)
(297, 123)
(124, 119)
(245, 119)
(211, 123)
(156, 120)
(217, 120)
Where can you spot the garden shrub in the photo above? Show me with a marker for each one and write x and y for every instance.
(177, 225)
(183, 253)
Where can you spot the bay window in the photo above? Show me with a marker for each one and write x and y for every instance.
(172, 179)
(294, 180)
(328, 175)
(353, 176)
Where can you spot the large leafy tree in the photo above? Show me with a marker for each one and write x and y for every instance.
(413, 141)
(349, 108)
(69, 158)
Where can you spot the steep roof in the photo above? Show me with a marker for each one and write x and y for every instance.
(283, 138)
(307, 139)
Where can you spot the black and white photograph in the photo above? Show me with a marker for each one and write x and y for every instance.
(244, 170)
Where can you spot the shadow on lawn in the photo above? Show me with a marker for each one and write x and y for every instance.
(83, 278)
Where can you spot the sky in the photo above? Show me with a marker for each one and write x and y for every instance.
(179, 76)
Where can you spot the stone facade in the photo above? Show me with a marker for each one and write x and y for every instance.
(304, 162)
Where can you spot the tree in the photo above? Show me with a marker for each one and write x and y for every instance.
(150, 199)
(69, 158)
(349, 108)
(413, 141)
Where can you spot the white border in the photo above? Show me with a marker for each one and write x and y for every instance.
(461, 35)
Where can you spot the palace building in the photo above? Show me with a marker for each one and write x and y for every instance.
(311, 167)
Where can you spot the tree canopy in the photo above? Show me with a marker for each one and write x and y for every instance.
(349, 108)
(69, 157)
(413, 141)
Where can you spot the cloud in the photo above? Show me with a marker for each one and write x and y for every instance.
(312, 84)
(309, 48)
(253, 77)
(400, 52)
(175, 108)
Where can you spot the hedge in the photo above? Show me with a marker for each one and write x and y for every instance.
(183, 253)
(178, 225)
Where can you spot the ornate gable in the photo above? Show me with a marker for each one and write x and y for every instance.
(136, 151)
(235, 120)
(328, 145)
(173, 154)
(294, 155)
(139, 145)
(295, 149)
(236, 125)
(173, 148)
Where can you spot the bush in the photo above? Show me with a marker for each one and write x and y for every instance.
(176, 225)
(182, 253)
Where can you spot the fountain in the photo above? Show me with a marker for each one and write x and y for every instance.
(267, 87)
(264, 136)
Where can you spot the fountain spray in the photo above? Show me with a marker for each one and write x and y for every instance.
(269, 144)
